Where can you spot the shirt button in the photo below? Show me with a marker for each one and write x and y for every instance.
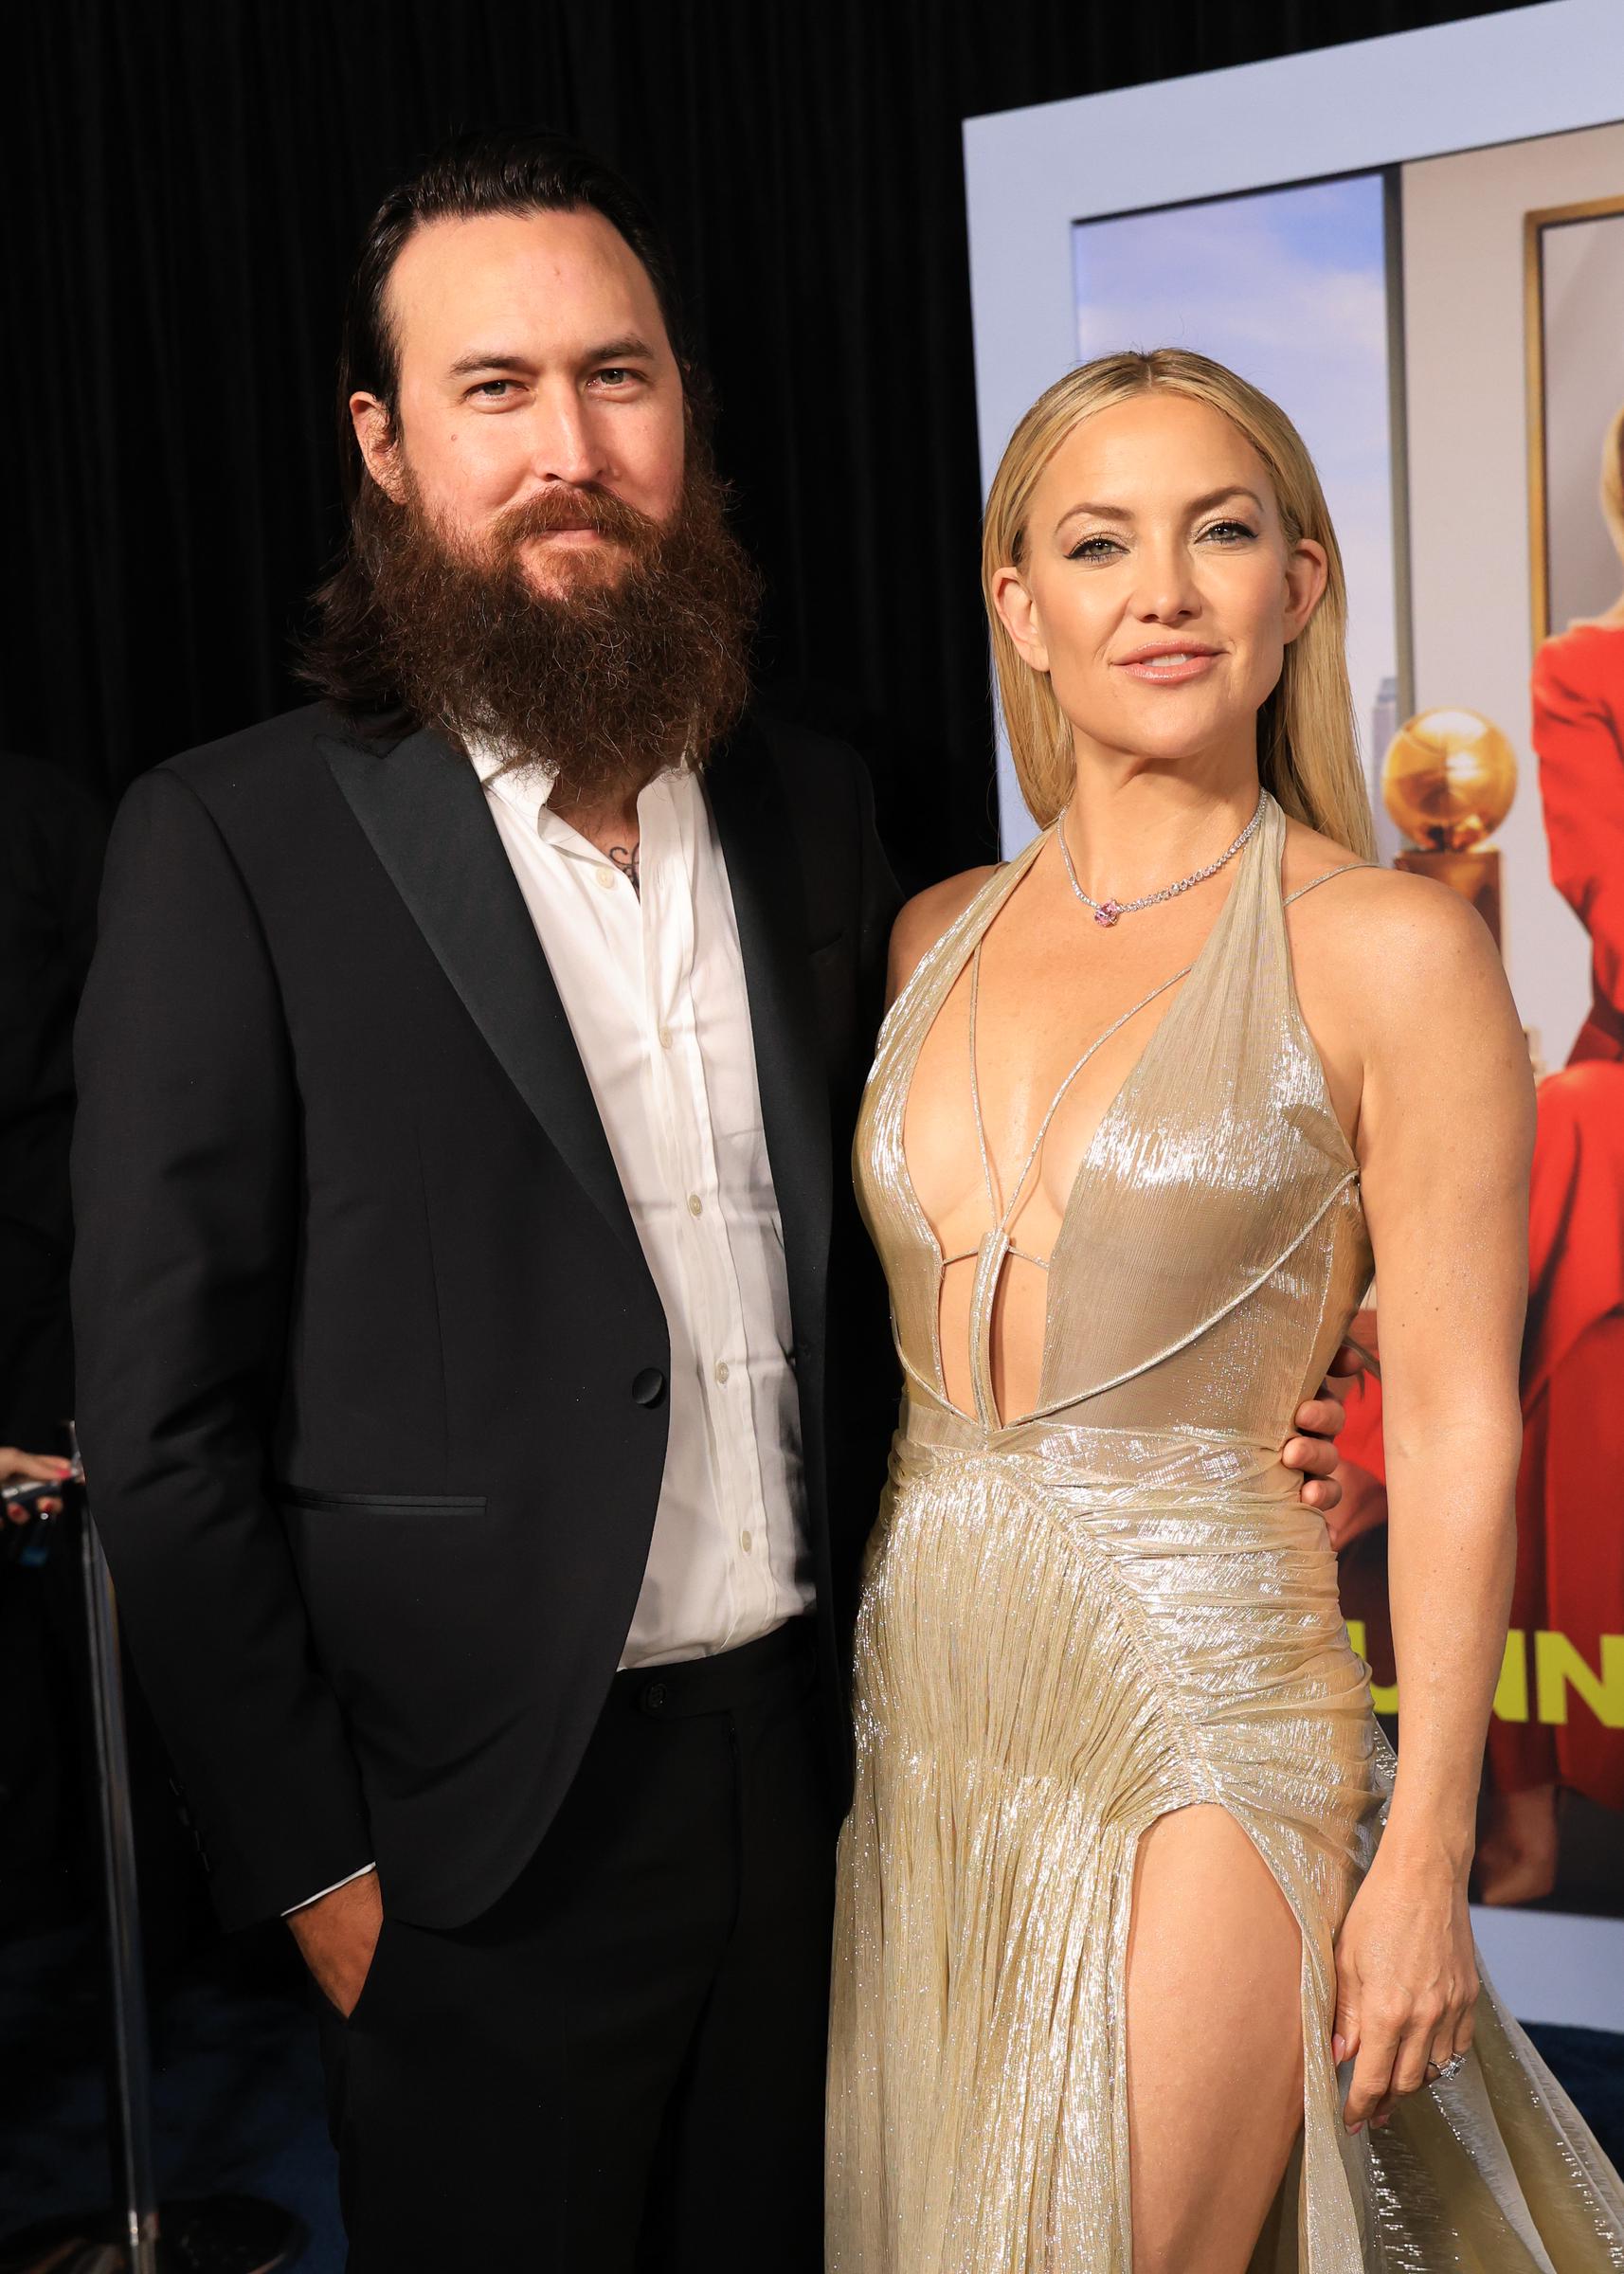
(665, 1037)
(696, 1205)
(721, 1369)
(606, 879)
(747, 1541)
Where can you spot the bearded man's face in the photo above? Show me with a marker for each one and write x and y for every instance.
(532, 357)
(544, 538)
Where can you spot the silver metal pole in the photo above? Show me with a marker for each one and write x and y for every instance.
(132, 2071)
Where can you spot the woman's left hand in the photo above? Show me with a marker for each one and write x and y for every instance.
(1406, 1982)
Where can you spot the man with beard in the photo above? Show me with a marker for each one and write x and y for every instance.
(484, 1382)
(482, 1390)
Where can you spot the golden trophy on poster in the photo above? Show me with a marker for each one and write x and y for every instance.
(1448, 781)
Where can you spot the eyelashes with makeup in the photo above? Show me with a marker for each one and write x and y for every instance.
(1229, 531)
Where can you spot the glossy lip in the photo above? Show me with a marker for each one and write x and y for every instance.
(1153, 664)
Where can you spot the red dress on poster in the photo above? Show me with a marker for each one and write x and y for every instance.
(1579, 734)
(1570, 1482)
(1570, 1485)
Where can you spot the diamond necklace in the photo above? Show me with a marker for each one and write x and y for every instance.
(1107, 912)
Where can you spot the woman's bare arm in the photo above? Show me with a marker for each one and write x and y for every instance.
(1445, 1137)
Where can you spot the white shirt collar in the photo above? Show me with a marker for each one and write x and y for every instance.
(528, 788)
(528, 791)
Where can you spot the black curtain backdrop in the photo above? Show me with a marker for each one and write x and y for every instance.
(184, 182)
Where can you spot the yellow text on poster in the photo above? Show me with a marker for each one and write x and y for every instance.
(1536, 1682)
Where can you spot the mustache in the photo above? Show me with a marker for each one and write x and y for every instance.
(606, 682)
(577, 505)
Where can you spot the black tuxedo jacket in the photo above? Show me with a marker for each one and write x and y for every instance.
(373, 1373)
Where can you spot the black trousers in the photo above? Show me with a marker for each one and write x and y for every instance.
(620, 2067)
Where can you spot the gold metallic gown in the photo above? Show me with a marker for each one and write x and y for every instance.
(1114, 1606)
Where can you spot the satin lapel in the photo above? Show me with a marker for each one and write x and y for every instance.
(764, 873)
(426, 815)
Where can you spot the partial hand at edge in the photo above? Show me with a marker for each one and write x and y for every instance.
(337, 1936)
(1321, 1421)
(33, 1467)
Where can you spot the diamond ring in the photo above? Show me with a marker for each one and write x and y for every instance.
(1447, 2072)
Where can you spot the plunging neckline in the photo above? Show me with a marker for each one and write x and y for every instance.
(975, 934)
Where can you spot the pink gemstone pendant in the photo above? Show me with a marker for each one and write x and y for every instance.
(1107, 913)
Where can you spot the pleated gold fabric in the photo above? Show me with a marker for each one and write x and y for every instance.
(1078, 1619)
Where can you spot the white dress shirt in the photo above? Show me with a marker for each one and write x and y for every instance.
(654, 990)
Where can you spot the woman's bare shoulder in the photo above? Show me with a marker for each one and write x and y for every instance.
(1370, 899)
(1310, 855)
(1402, 949)
(921, 921)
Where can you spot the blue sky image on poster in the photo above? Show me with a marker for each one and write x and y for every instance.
(1289, 288)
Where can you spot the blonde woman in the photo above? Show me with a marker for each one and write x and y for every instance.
(1149, 1102)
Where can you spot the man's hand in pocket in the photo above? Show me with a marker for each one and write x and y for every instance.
(336, 1936)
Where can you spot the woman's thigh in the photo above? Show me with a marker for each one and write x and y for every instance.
(1214, 2044)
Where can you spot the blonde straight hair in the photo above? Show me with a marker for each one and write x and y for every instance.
(1306, 753)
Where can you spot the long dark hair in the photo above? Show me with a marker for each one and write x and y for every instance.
(530, 172)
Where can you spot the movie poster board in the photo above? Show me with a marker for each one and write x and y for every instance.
(1416, 246)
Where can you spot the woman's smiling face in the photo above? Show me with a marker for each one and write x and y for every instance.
(1158, 588)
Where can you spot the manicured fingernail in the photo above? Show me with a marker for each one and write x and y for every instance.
(1339, 2050)
(1356, 2128)
(65, 1468)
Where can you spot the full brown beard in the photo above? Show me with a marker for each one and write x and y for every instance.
(636, 661)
